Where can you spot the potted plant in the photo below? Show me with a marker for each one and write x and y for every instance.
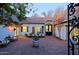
(35, 41)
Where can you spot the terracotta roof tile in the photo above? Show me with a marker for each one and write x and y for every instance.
(38, 20)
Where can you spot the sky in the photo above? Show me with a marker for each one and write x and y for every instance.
(44, 7)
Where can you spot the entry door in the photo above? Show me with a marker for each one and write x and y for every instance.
(18, 32)
(33, 29)
(48, 29)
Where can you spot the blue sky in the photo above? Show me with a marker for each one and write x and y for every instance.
(44, 7)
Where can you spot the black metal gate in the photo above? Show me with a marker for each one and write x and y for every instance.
(73, 21)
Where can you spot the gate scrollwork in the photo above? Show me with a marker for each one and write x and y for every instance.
(73, 22)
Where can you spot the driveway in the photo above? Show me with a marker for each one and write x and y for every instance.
(47, 46)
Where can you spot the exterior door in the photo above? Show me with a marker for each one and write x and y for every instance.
(17, 32)
(33, 29)
(48, 29)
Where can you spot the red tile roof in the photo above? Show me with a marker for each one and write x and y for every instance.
(36, 20)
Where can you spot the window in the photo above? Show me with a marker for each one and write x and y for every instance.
(38, 29)
(25, 29)
(50, 28)
(46, 28)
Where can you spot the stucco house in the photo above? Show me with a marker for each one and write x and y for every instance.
(35, 25)
(42, 25)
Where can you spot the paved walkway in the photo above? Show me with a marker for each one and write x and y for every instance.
(48, 46)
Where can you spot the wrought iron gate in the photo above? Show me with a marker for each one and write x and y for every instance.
(73, 21)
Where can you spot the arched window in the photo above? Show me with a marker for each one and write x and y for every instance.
(48, 28)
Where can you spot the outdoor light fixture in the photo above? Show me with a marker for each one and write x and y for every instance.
(11, 28)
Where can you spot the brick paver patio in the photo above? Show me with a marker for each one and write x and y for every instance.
(48, 46)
